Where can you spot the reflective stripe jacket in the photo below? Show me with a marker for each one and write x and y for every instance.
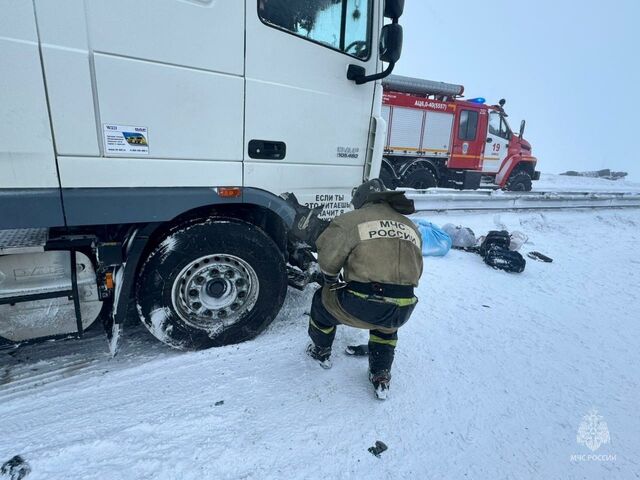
(372, 244)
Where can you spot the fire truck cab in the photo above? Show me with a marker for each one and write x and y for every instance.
(437, 139)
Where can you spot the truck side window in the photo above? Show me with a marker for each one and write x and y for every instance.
(343, 25)
(468, 125)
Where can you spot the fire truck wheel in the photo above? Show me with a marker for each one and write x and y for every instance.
(387, 178)
(519, 182)
(419, 178)
(210, 283)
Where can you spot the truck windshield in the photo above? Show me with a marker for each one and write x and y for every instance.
(498, 125)
(343, 25)
(505, 131)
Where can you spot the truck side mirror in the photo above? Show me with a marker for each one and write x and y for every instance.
(390, 51)
(393, 9)
(522, 125)
(391, 43)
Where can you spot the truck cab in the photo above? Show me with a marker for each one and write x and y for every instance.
(152, 140)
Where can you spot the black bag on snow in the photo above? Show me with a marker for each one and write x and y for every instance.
(495, 238)
(504, 259)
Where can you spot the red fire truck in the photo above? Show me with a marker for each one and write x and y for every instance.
(437, 139)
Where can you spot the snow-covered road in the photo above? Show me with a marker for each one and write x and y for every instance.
(493, 376)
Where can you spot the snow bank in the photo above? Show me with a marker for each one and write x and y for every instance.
(493, 376)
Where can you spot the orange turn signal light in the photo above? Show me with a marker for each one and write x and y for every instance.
(108, 280)
(229, 192)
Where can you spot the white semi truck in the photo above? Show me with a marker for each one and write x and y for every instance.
(145, 144)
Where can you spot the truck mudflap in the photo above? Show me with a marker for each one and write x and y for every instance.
(113, 332)
(124, 280)
(536, 175)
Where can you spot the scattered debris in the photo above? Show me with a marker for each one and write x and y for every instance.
(535, 255)
(517, 240)
(435, 241)
(496, 253)
(16, 468)
(503, 259)
(461, 237)
(219, 402)
(378, 448)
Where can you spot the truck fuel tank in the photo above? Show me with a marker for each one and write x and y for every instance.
(33, 273)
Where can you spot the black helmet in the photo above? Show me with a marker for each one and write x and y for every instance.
(374, 191)
(362, 194)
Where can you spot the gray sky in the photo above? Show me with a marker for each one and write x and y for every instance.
(571, 69)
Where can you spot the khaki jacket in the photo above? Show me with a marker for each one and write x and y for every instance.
(374, 244)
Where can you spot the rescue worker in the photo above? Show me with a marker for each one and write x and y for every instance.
(379, 252)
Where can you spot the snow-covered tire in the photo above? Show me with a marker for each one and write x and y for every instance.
(420, 178)
(519, 181)
(210, 283)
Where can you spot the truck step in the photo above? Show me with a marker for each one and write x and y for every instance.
(23, 240)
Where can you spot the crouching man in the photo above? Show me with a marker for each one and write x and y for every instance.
(379, 252)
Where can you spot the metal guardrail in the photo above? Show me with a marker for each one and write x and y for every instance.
(446, 199)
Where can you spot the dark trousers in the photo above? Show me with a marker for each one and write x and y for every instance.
(322, 330)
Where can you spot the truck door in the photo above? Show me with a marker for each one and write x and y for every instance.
(495, 150)
(29, 187)
(307, 125)
(468, 138)
(169, 93)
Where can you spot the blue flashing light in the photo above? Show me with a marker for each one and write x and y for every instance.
(477, 100)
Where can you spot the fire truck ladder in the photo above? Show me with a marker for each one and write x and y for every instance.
(419, 86)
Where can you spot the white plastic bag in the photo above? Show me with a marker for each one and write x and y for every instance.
(461, 237)
(517, 240)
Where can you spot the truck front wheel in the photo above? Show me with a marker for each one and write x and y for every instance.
(519, 181)
(211, 283)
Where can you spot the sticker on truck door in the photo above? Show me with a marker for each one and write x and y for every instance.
(126, 139)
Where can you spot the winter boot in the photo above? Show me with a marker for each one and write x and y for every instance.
(380, 381)
(357, 350)
(320, 355)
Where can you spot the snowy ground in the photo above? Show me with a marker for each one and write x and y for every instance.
(493, 375)
(561, 183)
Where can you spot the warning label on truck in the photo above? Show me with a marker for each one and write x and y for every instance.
(334, 204)
(126, 139)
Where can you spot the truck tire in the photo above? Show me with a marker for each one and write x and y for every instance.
(519, 181)
(420, 178)
(387, 177)
(210, 283)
